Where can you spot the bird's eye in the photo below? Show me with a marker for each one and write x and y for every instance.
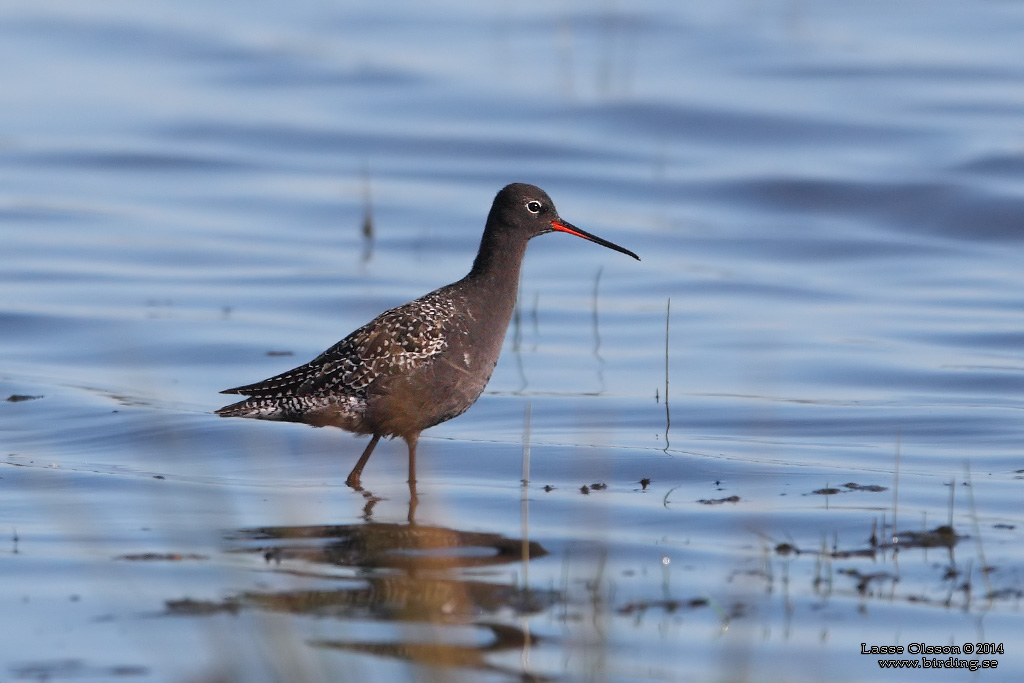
(533, 206)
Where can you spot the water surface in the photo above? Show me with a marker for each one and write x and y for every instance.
(819, 353)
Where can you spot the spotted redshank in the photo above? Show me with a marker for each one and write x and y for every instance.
(424, 362)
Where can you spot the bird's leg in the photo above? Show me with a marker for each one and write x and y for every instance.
(353, 476)
(413, 498)
(414, 501)
(411, 440)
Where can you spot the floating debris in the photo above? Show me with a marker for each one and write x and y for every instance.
(162, 557)
(668, 606)
(719, 501)
(826, 492)
(875, 488)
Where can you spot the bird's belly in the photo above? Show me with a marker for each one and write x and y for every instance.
(347, 412)
(428, 396)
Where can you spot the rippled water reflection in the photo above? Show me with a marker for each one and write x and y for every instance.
(820, 351)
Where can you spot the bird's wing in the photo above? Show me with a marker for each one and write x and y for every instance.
(395, 342)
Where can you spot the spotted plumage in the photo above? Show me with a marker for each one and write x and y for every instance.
(333, 388)
(424, 362)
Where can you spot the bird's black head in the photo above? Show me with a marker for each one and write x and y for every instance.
(527, 210)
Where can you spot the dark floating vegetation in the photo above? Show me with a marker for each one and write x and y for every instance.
(864, 580)
(826, 492)
(719, 501)
(669, 606)
(161, 557)
(829, 491)
(54, 669)
(18, 398)
(874, 582)
(940, 537)
(199, 608)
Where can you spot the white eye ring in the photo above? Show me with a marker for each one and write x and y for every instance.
(533, 206)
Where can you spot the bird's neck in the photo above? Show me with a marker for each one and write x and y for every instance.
(499, 259)
(494, 278)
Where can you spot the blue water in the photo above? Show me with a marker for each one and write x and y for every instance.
(827, 201)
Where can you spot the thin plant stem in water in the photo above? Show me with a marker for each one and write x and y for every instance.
(535, 319)
(668, 415)
(977, 532)
(526, 443)
(896, 491)
(664, 501)
(597, 333)
(517, 340)
(524, 530)
(367, 217)
(952, 495)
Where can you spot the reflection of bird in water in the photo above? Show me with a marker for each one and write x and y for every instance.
(406, 575)
(411, 548)
(445, 656)
(424, 362)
